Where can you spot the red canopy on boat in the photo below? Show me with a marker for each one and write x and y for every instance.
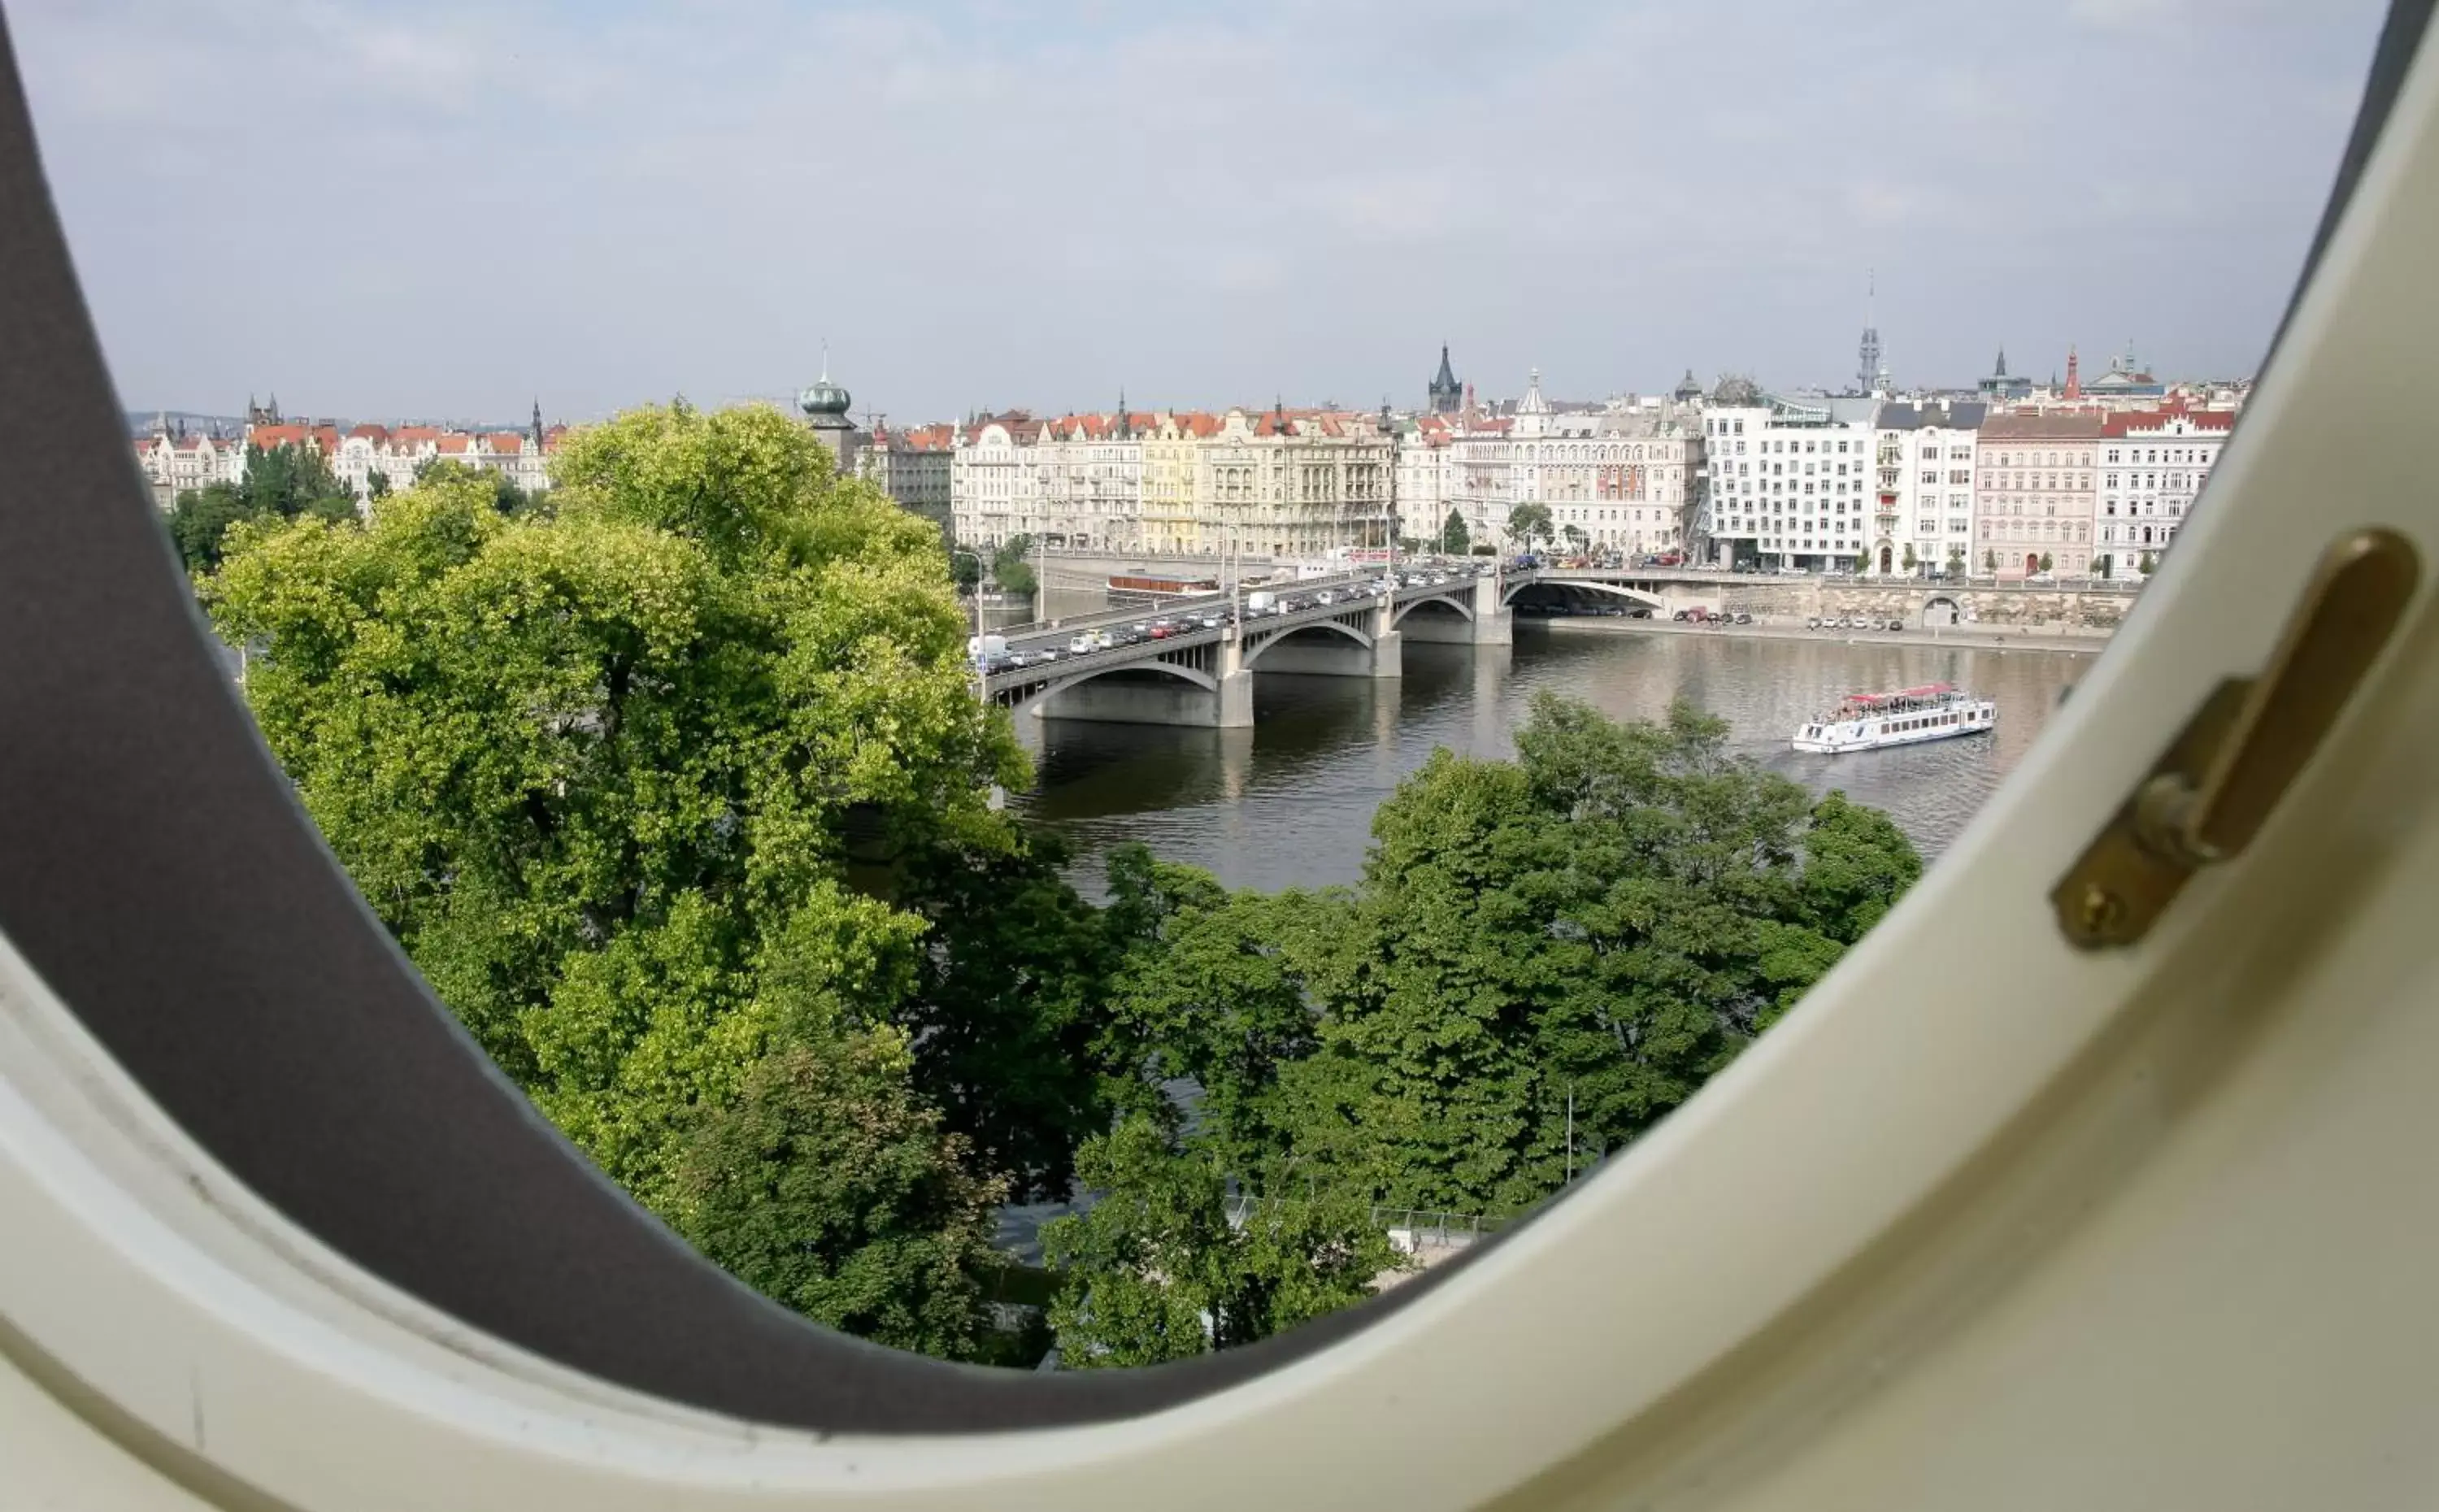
(1927, 690)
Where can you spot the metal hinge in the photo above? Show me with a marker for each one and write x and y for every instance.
(2211, 791)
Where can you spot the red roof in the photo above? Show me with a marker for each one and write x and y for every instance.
(509, 442)
(2069, 425)
(268, 436)
(368, 432)
(455, 444)
(2125, 423)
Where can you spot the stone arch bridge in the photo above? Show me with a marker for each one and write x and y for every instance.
(1202, 674)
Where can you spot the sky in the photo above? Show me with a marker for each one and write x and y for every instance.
(379, 209)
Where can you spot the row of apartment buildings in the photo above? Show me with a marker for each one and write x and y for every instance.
(2019, 481)
(174, 462)
(1296, 482)
(1886, 487)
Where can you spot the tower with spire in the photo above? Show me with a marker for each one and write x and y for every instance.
(537, 422)
(2074, 378)
(1445, 395)
(825, 405)
(2001, 384)
(1868, 376)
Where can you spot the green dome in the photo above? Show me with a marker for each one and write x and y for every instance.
(823, 397)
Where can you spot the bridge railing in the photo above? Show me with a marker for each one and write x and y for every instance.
(1197, 603)
(1143, 651)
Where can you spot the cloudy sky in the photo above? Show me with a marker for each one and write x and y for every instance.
(380, 208)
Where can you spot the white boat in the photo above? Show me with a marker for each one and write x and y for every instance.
(1867, 722)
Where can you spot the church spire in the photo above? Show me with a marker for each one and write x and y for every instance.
(1445, 395)
(536, 422)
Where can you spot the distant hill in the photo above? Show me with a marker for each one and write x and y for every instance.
(143, 422)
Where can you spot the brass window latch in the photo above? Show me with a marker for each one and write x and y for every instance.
(2210, 792)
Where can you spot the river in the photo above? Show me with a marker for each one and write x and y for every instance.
(1289, 803)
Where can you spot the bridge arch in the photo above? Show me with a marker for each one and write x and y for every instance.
(1636, 595)
(1276, 638)
(1192, 675)
(1940, 608)
(1449, 601)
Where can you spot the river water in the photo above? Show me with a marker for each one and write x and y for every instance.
(1289, 803)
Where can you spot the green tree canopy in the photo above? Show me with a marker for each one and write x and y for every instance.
(280, 483)
(1011, 569)
(1455, 539)
(1155, 1270)
(1610, 918)
(1528, 522)
(673, 785)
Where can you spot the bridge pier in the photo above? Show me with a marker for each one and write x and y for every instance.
(1387, 659)
(1234, 705)
(1494, 623)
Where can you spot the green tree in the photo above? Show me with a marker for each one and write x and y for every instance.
(965, 570)
(827, 1184)
(280, 483)
(1209, 991)
(1609, 917)
(2046, 561)
(199, 523)
(1012, 1007)
(2147, 564)
(1529, 523)
(608, 770)
(1455, 539)
(377, 486)
(1912, 562)
(1577, 538)
(1154, 1269)
(1011, 570)
(508, 498)
(1990, 562)
(289, 481)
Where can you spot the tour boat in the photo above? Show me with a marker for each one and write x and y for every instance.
(1866, 721)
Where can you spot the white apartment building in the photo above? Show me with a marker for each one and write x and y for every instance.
(2153, 464)
(1790, 485)
(173, 464)
(1426, 477)
(993, 496)
(2034, 493)
(1481, 476)
(1295, 484)
(1074, 482)
(1923, 466)
(1089, 473)
(1279, 482)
